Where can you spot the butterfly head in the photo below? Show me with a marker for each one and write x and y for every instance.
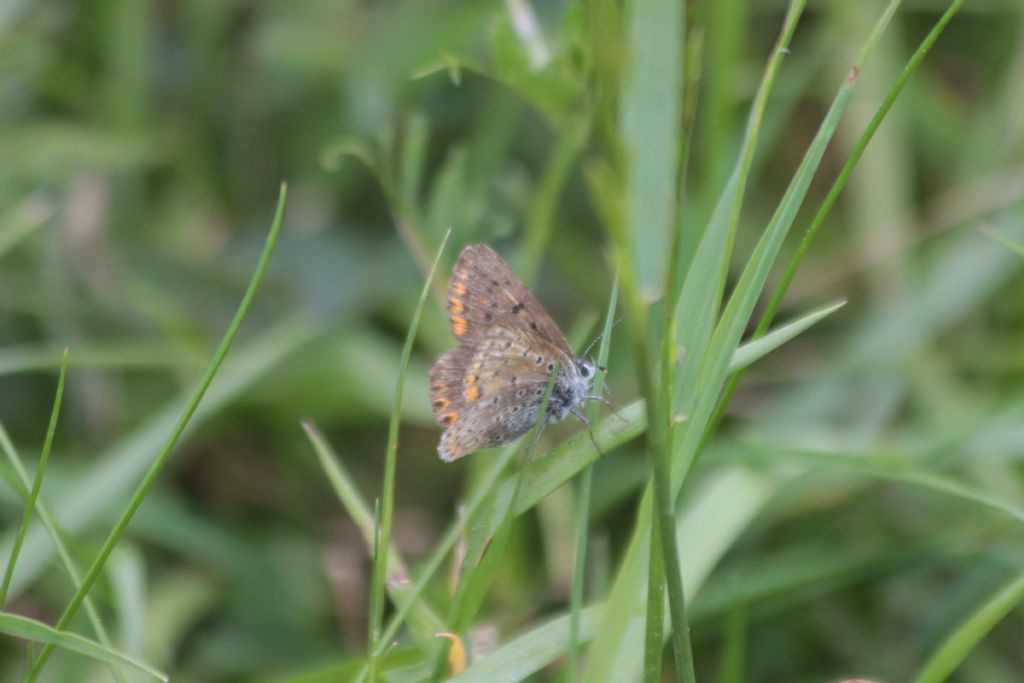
(586, 369)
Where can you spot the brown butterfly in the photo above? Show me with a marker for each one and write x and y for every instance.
(488, 391)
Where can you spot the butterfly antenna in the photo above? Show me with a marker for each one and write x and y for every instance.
(598, 337)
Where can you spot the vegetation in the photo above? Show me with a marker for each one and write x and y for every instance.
(219, 221)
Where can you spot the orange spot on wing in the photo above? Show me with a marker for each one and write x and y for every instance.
(456, 306)
(458, 288)
(458, 325)
(450, 418)
(472, 393)
(441, 403)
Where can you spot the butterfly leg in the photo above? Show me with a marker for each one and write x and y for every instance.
(611, 406)
(582, 418)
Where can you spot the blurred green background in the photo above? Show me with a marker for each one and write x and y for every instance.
(141, 149)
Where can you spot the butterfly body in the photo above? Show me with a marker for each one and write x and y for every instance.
(488, 391)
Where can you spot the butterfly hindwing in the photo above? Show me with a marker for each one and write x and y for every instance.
(446, 380)
(501, 389)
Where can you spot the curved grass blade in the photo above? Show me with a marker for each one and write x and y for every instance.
(21, 485)
(37, 483)
(425, 620)
(726, 503)
(118, 355)
(387, 500)
(36, 631)
(698, 301)
(1012, 246)
(833, 194)
(157, 465)
(649, 128)
(898, 469)
(733, 321)
(529, 653)
(760, 347)
(451, 537)
(960, 642)
(116, 470)
(583, 499)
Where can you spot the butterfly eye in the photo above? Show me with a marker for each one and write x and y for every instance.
(585, 370)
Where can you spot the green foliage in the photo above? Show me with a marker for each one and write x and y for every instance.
(834, 496)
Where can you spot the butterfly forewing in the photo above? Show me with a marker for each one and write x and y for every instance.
(484, 291)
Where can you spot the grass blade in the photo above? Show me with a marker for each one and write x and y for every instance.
(154, 470)
(698, 302)
(833, 194)
(37, 483)
(116, 470)
(21, 484)
(654, 628)
(448, 541)
(1012, 246)
(36, 631)
(387, 501)
(529, 653)
(741, 303)
(425, 620)
(151, 354)
(649, 122)
(747, 354)
(583, 500)
(960, 642)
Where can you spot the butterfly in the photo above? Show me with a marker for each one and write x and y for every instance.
(488, 391)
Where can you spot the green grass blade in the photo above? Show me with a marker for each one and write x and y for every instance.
(21, 484)
(856, 154)
(698, 302)
(649, 125)
(654, 626)
(444, 546)
(747, 354)
(113, 354)
(623, 615)
(140, 492)
(38, 632)
(583, 499)
(960, 642)
(744, 297)
(1012, 246)
(886, 467)
(531, 652)
(664, 502)
(724, 505)
(833, 194)
(425, 620)
(117, 470)
(387, 500)
(37, 483)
